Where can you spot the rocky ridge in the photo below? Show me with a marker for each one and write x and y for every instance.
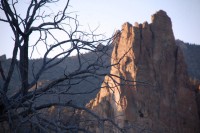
(150, 91)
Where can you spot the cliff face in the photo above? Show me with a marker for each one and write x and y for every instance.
(155, 95)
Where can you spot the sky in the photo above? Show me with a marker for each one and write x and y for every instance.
(109, 15)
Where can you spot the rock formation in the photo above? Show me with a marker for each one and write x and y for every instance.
(150, 90)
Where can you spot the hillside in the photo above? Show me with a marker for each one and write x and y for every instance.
(87, 87)
(191, 55)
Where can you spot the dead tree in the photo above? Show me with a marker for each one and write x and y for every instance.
(43, 24)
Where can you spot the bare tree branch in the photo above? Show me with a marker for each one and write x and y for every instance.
(32, 31)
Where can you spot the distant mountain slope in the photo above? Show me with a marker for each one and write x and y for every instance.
(69, 65)
(191, 54)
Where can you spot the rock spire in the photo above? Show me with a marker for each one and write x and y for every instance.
(153, 94)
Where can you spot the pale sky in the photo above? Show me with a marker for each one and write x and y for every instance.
(109, 15)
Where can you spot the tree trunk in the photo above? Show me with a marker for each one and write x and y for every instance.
(24, 63)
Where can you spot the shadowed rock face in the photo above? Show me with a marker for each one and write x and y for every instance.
(160, 99)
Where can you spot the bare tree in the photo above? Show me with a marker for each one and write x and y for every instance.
(40, 26)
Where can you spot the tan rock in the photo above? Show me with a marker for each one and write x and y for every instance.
(150, 91)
